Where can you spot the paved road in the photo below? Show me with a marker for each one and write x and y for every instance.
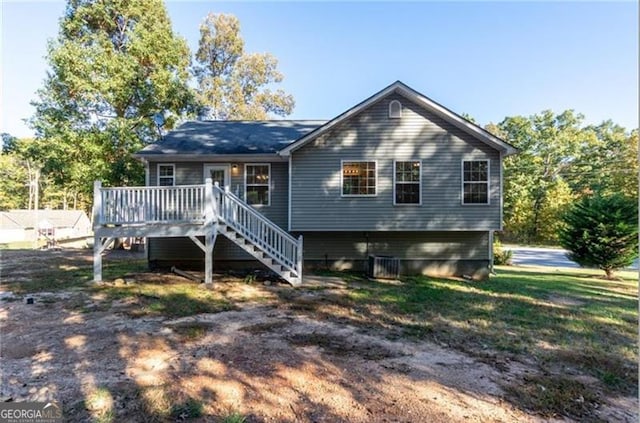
(553, 257)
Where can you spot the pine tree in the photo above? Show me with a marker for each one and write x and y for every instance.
(602, 232)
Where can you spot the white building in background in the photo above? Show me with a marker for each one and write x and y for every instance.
(27, 225)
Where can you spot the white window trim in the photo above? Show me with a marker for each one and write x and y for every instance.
(462, 182)
(393, 115)
(158, 173)
(342, 194)
(419, 203)
(269, 185)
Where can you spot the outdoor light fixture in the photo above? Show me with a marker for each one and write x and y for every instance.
(234, 167)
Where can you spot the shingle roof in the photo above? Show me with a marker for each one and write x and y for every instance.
(231, 137)
(16, 219)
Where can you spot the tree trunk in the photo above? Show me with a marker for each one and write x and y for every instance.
(609, 274)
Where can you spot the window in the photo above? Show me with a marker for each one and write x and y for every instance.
(256, 183)
(358, 178)
(475, 182)
(407, 182)
(395, 109)
(166, 175)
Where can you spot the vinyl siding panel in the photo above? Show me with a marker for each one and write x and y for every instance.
(405, 245)
(186, 173)
(192, 173)
(332, 247)
(279, 187)
(183, 249)
(317, 204)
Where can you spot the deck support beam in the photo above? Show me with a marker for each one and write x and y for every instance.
(207, 247)
(98, 248)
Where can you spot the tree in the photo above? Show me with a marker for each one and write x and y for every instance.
(609, 163)
(233, 84)
(8, 143)
(14, 188)
(548, 144)
(115, 67)
(559, 200)
(602, 232)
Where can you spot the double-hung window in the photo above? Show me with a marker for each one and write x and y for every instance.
(166, 175)
(358, 178)
(406, 182)
(475, 182)
(257, 180)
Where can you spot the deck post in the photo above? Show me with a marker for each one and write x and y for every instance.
(210, 234)
(209, 241)
(97, 260)
(97, 242)
(299, 258)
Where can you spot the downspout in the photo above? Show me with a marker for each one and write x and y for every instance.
(501, 192)
(289, 198)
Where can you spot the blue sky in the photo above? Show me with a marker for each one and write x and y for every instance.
(489, 60)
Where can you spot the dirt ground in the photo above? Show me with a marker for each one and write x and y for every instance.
(263, 360)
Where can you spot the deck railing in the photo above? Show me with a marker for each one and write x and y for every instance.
(259, 230)
(199, 204)
(139, 205)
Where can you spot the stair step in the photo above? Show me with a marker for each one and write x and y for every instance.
(248, 244)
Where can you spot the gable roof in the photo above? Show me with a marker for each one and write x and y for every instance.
(418, 98)
(23, 219)
(230, 137)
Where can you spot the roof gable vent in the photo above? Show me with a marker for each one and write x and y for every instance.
(395, 109)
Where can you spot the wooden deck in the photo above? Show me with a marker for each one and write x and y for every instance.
(193, 211)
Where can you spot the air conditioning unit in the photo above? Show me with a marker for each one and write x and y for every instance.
(384, 267)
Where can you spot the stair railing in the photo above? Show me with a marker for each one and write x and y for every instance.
(253, 226)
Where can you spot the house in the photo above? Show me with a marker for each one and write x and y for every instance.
(398, 174)
(21, 225)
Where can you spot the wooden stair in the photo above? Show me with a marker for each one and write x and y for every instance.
(259, 254)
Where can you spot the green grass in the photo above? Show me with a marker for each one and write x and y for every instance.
(567, 322)
(159, 298)
(149, 295)
(587, 320)
(189, 409)
(234, 417)
(58, 274)
(192, 331)
(21, 245)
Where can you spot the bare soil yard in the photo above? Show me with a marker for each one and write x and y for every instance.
(157, 347)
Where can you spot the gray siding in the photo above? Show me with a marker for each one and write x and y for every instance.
(187, 173)
(405, 245)
(316, 202)
(191, 173)
(429, 253)
(183, 249)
